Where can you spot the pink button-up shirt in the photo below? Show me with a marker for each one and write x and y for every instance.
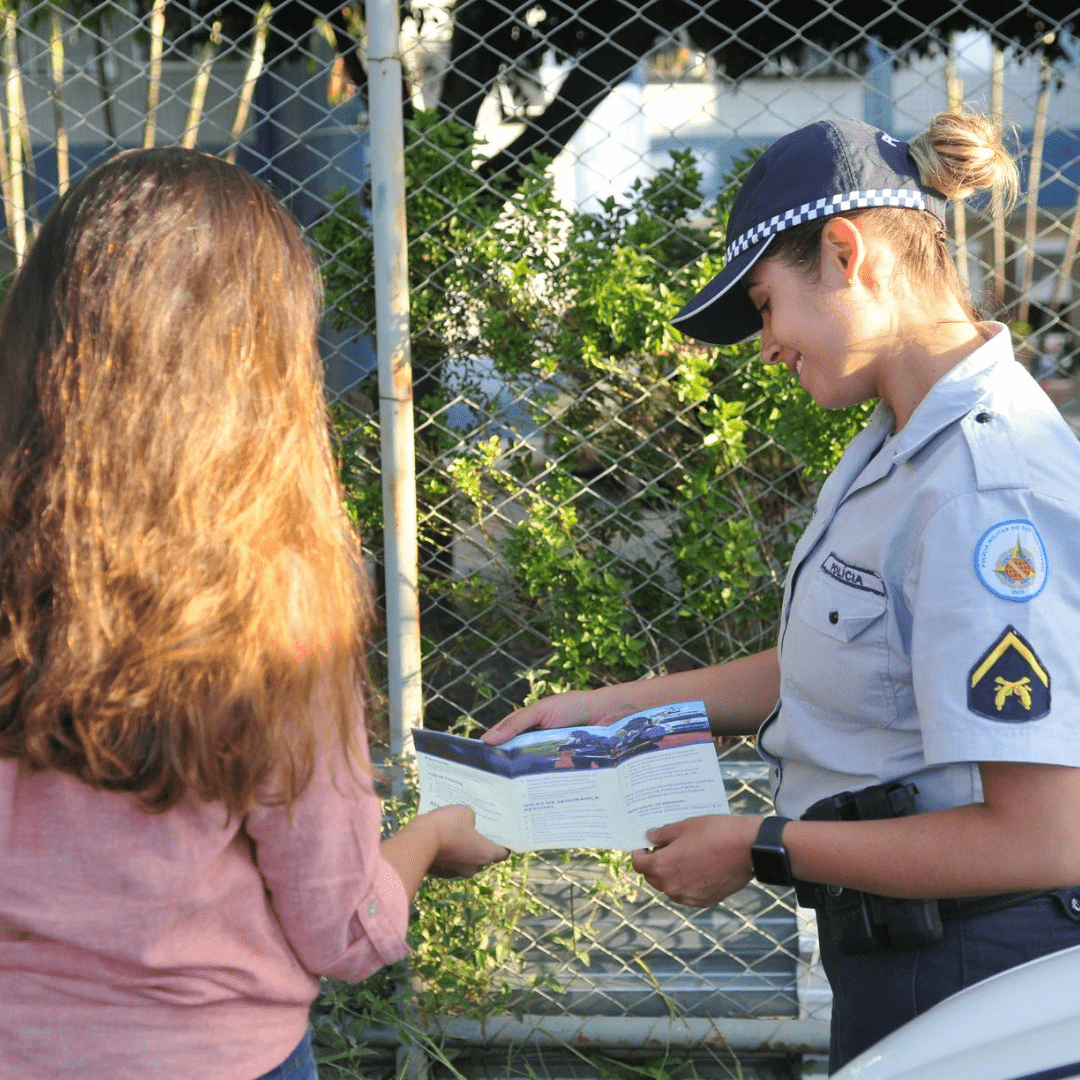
(177, 945)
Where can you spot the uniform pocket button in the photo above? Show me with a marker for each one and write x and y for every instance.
(834, 617)
(1069, 899)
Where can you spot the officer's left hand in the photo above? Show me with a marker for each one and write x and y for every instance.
(700, 861)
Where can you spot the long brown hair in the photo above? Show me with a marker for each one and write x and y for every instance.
(178, 581)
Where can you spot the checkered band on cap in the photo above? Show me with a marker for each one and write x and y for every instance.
(910, 198)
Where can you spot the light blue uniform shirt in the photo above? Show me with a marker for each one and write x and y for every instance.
(931, 613)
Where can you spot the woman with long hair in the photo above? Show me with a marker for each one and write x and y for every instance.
(919, 712)
(188, 830)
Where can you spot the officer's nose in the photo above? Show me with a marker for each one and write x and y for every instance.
(770, 348)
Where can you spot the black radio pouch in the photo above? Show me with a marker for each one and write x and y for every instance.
(860, 922)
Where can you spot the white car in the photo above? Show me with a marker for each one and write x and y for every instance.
(1023, 1024)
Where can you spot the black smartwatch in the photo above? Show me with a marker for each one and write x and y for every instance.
(772, 863)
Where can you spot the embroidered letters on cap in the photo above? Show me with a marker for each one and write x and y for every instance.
(1009, 682)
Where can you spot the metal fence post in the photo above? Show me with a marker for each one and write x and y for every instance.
(395, 401)
(395, 370)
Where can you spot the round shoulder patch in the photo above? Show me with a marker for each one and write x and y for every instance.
(1010, 559)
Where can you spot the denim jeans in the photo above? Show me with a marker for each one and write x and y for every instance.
(299, 1065)
(874, 993)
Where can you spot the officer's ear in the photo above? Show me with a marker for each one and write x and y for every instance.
(843, 250)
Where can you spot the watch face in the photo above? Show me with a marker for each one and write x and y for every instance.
(771, 865)
(771, 862)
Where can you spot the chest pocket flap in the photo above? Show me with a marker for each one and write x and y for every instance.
(841, 610)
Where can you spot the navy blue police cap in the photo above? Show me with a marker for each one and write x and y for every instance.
(826, 168)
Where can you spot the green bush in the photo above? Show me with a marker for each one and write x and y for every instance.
(651, 528)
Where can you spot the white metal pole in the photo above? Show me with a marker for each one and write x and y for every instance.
(395, 370)
(595, 1034)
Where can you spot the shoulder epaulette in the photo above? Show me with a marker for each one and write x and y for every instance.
(996, 456)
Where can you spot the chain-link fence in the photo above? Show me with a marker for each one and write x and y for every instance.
(597, 499)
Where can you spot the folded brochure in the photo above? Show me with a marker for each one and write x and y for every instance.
(579, 787)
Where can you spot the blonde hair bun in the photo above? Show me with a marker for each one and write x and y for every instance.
(961, 153)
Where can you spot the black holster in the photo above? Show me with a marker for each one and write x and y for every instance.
(858, 922)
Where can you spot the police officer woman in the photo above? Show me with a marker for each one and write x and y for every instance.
(920, 710)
